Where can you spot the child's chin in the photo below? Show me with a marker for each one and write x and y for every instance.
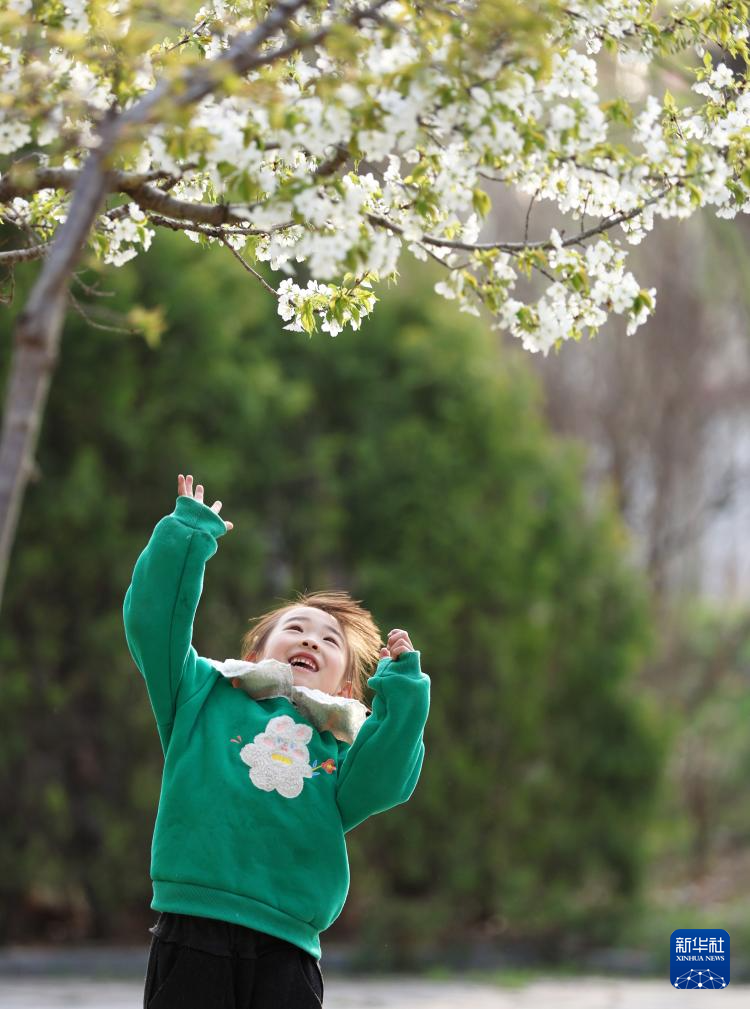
(309, 683)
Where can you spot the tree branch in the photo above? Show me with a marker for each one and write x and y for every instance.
(605, 225)
(135, 185)
(14, 256)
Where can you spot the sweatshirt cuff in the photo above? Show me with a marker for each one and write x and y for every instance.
(406, 664)
(199, 516)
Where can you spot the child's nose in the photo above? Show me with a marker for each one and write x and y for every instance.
(308, 643)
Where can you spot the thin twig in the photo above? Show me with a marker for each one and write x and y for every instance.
(248, 267)
(92, 292)
(9, 299)
(193, 31)
(528, 216)
(97, 325)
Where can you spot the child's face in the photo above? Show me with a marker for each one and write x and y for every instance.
(306, 632)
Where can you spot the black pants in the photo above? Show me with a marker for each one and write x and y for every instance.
(200, 963)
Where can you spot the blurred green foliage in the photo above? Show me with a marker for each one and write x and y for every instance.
(698, 843)
(703, 674)
(407, 463)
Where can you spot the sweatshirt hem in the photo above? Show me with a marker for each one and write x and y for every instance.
(238, 909)
(408, 665)
(198, 516)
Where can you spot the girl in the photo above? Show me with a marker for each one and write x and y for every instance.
(269, 760)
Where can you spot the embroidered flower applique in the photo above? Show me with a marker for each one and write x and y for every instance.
(279, 759)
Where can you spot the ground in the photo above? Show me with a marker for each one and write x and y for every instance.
(398, 993)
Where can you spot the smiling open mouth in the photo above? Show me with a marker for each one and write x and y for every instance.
(301, 662)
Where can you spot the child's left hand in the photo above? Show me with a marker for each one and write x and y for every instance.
(398, 643)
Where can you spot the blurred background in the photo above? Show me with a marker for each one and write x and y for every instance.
(565, 539)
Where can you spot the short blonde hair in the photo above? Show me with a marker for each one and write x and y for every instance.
(360, 631)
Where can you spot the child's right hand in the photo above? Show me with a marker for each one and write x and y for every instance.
(398, 643)
(185, 489)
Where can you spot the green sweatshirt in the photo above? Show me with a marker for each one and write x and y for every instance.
(237, 836)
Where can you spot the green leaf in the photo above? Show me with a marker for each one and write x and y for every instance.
(481, 201)
(150, 321)
(307, 318)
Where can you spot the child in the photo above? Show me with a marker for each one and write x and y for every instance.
(268, 762)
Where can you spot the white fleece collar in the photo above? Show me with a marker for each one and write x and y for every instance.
(343, 716)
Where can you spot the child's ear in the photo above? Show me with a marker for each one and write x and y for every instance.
(251, 657)
(346, 690)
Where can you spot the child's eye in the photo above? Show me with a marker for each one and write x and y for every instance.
(333, 641)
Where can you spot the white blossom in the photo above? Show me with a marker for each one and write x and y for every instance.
(722, 76)
(13, 135)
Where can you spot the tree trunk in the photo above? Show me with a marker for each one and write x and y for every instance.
(36, 346)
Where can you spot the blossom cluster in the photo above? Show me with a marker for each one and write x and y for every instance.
(333, 307)
(387, 137)
(124, 235)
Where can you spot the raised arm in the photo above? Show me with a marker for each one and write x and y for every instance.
(382, 766)
(160, 603)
